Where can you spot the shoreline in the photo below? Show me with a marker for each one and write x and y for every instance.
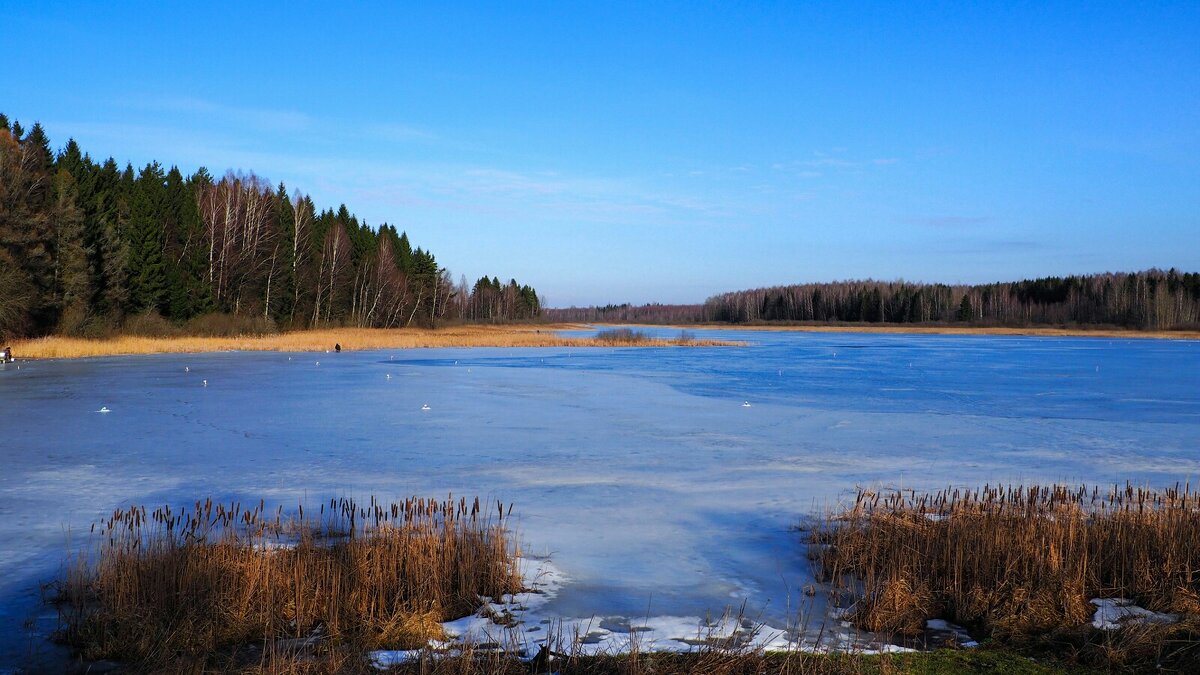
(522, 336)
(324, 339)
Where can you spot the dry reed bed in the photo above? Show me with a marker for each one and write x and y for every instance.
(1013, 561)
(170, 589)
(351, 339)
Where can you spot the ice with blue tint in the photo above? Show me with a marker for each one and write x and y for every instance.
(638, 471)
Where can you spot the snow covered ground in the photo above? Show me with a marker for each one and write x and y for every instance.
(637, 472)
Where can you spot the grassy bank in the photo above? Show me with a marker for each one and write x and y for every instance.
(351, 339)
(220, 587)
(1020, 565)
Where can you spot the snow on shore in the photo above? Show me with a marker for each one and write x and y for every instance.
(1116, 613)
(516, 624)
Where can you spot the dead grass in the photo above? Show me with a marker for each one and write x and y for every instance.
(219, 586)
(351, 339)
(1020, 564)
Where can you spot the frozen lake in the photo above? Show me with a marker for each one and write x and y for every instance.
(638, 471)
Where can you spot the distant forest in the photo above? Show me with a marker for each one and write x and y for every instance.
(87, 248)
(1152, 300)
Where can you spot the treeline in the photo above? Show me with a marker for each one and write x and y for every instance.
(1152, 299)
(626, 313)
(85, 247)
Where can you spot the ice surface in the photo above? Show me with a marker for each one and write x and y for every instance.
(638, 472)
(946, 631)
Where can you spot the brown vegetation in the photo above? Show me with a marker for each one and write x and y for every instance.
(1016, 563)
(351, 339)
(218, 584)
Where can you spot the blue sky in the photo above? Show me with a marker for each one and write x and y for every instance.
(665, 151)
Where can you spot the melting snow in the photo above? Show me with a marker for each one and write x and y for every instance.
(1114, 613)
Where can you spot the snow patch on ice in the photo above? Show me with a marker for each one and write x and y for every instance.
(516, 624)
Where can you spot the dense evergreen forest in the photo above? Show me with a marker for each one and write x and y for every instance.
(1153, 299)
(87, 248)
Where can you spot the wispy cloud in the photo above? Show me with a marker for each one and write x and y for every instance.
(239, 116)
(836, 160)
(536, 196)
(996, 247)
(949, 221)
(398, 133)
(399, 187)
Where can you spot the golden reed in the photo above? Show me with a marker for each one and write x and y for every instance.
(1013, 561)
(350, 339)
(183, 588)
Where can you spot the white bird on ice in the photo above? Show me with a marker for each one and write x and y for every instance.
(425, 407)
(746, 404)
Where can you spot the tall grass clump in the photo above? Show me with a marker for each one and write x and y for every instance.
(168, 587)
(1013, 561)
(622, 336)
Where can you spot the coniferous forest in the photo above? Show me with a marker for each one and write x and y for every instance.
(88, 248)
(1152, 300)
(1149, 300)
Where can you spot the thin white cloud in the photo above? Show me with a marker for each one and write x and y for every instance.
(241, 116)
(398, 133)
(950, 221)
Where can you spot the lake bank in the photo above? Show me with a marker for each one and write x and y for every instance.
(323, 340)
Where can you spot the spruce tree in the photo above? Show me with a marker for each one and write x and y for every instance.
(71, 265)
(285, 219)
(148, 284)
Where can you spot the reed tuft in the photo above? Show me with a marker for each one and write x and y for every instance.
(1017, 562)
(166, 588)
